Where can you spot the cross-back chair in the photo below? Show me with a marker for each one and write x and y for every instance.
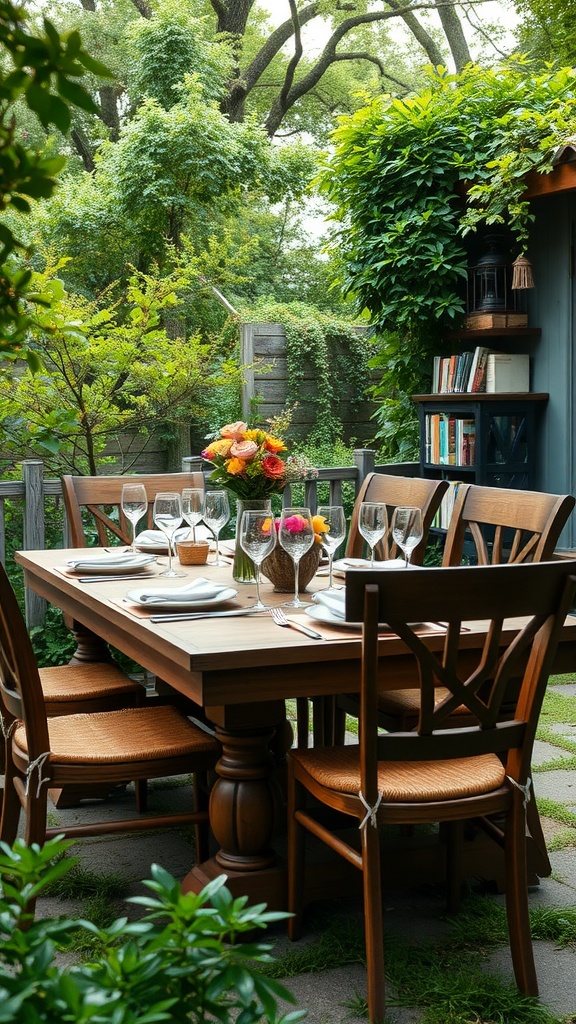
(101, 497)
(392, 491)
(102, 748)
(437, 773)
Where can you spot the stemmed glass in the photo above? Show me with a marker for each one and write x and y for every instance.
(372, 524)
(168, 517)
(134, 504)
(216, 515)
(193, 507)
(333, 516)
(296, 536)
(407, 529)
(257, 538)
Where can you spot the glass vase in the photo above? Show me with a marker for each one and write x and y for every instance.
(243, 570)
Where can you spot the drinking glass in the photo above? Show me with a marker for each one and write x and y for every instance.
(168, 517)
(216, 515)
(257, 538)
(372, 524)
(407, 529)
(296, 536)
(193, 507)
(134, 504)
(333, 516)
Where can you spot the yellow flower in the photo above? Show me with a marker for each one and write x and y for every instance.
(320, 526)
(235, 467)
(221, 447)
(274, 444)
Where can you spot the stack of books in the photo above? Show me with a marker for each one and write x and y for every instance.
(481, 370)
(444, 514)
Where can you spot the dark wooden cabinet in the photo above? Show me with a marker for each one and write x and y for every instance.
(504, 429)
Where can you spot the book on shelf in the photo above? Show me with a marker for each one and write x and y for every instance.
(457, 374)
(449, 440)
(444, 514)
(506, 372)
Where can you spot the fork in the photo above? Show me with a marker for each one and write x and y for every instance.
(281, 620)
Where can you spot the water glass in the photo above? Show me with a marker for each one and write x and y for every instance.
(407, 529)
(168, 517)
(193, 507)
(216, 515)
(134, 503)
(372, 524)
(333, 516)
(257, 538)
(296, 536)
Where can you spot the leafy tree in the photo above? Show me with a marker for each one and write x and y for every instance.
(548, 30)
(109, 371)
(41, 69)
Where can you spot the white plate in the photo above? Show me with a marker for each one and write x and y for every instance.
(345, 564)
(154, 541)
(94, 567)
(206, 602)
(323, 614)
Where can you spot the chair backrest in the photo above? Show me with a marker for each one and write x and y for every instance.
(101, 496)
(21, 693)
(394, 491)
(539, 593)
(506, 525)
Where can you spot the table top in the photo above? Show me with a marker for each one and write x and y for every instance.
(225, 660)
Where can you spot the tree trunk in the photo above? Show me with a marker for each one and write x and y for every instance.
(455, 36)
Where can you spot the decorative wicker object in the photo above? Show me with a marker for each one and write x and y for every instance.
(192, 552)
(278, 567)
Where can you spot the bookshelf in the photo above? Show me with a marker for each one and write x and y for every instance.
(481, 438)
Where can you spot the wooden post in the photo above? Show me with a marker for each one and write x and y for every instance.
(34, 531)
(364, 460)
(247, 364)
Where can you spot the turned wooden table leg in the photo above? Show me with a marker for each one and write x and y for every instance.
(246, 805)
(89, 647)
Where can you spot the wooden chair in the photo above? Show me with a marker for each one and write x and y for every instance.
(435, 773)
(104, 748)
(328, 722)
(100, 496)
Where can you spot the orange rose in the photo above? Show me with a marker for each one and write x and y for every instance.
(235, 431)
(235, 467)
(244, 450)
(273, 467)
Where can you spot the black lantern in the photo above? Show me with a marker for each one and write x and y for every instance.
(488, 280)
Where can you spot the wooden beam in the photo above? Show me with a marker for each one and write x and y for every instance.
(561, 179)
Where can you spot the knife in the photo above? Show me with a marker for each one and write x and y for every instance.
(109, 579)
(184, 616)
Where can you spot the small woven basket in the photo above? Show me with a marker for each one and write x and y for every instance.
(192, 552)
(278, 567)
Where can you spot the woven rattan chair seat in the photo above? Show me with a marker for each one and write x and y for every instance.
(405, 781)
(133, 734)
(85, 682)
(408, 701)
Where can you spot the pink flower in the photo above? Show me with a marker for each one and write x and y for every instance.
(235, 430)
(295, 524)
(244, 450)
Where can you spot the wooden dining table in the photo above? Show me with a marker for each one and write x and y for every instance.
(241, 670)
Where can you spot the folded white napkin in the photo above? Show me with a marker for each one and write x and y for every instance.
(157, 539)
(389, 563)
(333, 600)
(108, 560)
(199, 590)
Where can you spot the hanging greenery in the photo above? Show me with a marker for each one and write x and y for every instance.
(398, 177)
(333, 350)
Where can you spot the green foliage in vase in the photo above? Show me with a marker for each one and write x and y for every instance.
(182, 962)
(397, 176)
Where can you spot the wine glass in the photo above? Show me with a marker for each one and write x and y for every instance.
(193, 507)
(407, 529)
(168, 517)
(216, 515)
(372, 524)
(296, 536)
(257, 538)
(134, 503)
(333, 516)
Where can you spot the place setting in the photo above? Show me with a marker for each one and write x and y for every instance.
(107, 566)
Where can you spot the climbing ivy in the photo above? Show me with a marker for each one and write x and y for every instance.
(337, 351)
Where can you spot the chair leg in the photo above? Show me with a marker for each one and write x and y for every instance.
(36, 808)
(296, 841)
(454, 844)
(11, 806)
(543, 866)
(302, 719)
(517, 898)
(141, 790)
(339, 725)
(373, 928)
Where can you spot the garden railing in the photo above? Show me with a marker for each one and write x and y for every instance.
(34, 491)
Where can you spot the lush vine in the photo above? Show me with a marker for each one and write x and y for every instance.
(335, 349)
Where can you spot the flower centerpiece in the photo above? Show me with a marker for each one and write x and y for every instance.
(250, 463)
(278, 566)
